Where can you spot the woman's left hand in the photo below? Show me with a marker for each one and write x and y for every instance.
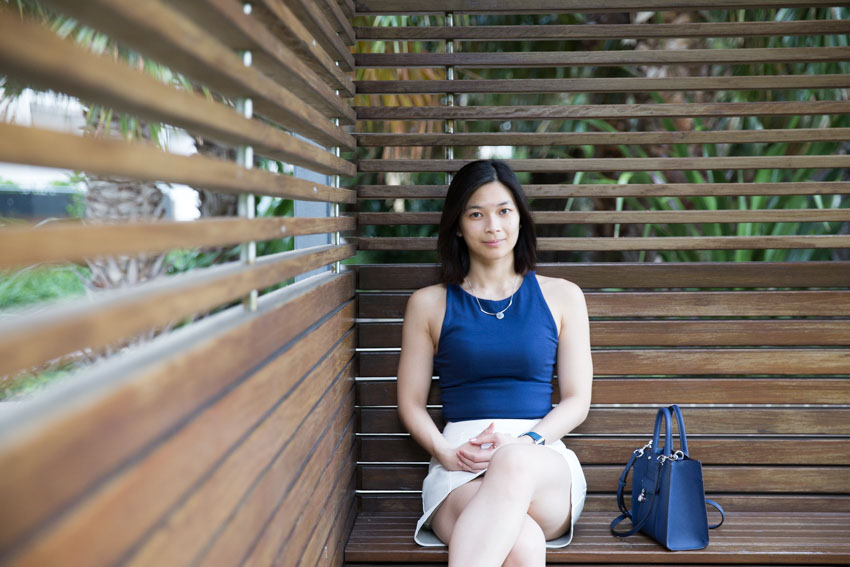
(475, 455)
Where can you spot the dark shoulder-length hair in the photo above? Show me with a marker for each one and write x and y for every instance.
(453, 252)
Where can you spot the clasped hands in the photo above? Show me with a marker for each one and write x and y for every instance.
(475, 454)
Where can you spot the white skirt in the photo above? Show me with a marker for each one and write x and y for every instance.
(440, 482)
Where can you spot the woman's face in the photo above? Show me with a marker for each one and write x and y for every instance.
(489, 222)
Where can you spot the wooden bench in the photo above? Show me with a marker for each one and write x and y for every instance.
(758, 355)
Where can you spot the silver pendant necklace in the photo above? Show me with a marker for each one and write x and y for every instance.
(499, 314)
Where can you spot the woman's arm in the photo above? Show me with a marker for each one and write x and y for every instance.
(415, 371)
(574, 364)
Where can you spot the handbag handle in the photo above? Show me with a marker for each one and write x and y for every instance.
(680, 421)
(636, 526)
(663, 415)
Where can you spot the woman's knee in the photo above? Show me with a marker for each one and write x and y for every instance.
(512, 461)
(530, 547)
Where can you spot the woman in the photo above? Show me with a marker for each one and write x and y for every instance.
(495, 332)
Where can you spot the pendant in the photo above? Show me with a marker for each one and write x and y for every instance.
(500, 315)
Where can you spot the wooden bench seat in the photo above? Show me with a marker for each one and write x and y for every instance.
(757, 355)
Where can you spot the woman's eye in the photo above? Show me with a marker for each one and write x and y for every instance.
(505, 211)
(475, 215)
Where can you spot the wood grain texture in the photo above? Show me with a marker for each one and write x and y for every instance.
(801, 538)
(309, 14)
(202, 470)
(578, 111)
(72, 440)
(604, 85)
(159, 31)
(192, 524)
(410, 503)
(634, 243)
(287, 28)
(138, 160)
(671, 304)
(77, 241)
(65, 67)
(634, 217)
(556, 165)
(593, 450)
(265, 521)
(604, 138)
(664, 391)
(36, 335)
(733, 421)
(632, 190)
(640, 275)
(763, 332)
(761, 479)
(563, 6)
(227, 20)
(687, 361)
(603, 31)
(581, 58)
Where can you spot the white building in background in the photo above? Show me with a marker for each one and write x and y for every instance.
(61, 113)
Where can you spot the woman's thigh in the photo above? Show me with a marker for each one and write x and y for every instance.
(547, 473)
(444, 519)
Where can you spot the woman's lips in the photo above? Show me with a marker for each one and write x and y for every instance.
(492, 243)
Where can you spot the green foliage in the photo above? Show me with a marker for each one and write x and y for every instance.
(708, 203)
(41, 283)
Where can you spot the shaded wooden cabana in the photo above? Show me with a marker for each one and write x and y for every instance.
(266, 433)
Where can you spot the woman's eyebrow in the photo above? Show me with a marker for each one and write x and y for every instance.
(482, 206)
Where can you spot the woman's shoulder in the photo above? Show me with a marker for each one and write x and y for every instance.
(428, 298)
(559, 286)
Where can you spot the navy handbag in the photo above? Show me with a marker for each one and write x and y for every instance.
(668, 498)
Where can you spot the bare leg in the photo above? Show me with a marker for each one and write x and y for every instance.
(522, 480)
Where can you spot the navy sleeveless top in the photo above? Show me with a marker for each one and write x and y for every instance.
(497, 368)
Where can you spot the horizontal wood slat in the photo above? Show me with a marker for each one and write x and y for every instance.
(19, 144)
(616, 111)
(410, 503)
(271, 509)
(771, 332)
(228, 22)
(191, 50)
(641, 275)
(555, 165)
(603, 31)
(277, 16)
(635, 243)
(338, 20)
(32, 337)
(121, 406)
(604, 85)
(529, 59)
(597, 450)
(665, 391)
(733, 421)
(628, 217)
(600, 478)
(801, 538)
(688, 304)
(732, 361)
(605, 138)
(309, 14)
(565, 6)
(535, 191)
(183, 535)
(69, 242)
(184, 474)
(62, 66)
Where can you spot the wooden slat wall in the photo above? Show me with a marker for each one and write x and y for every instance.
(230, 440)
(758, 350)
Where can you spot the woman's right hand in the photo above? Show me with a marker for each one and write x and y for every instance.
(472, 456)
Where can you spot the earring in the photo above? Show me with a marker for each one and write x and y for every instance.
(459, 234)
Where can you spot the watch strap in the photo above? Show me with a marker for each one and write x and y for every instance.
(536, 437)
